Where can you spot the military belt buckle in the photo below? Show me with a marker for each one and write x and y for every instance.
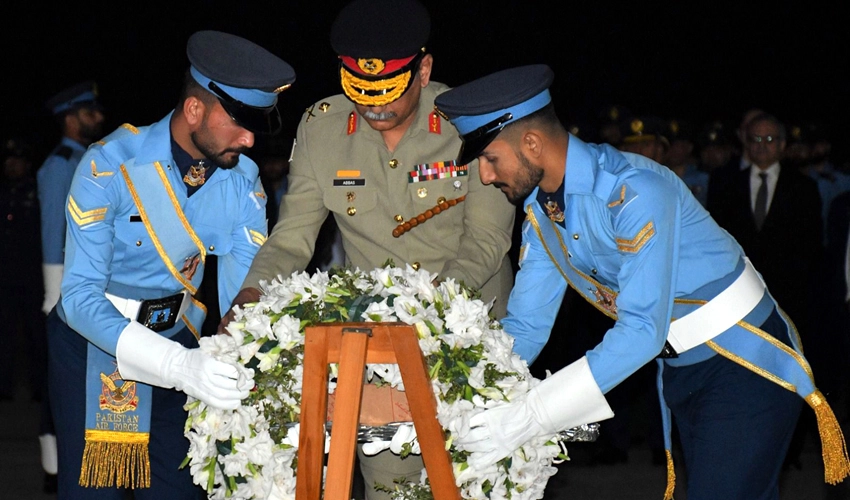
(160, 314)
(667, 352)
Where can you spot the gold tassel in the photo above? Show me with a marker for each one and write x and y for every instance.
(671, 477)
(107, 463)
(836, 464)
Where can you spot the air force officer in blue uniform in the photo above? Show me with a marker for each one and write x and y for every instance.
(147, 205)
(629, 236)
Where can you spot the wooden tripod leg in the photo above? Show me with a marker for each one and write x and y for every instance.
(349, 391)
(423, 408)
(314, 406)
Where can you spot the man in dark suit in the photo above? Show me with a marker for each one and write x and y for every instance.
(781, 229)
(774, 213)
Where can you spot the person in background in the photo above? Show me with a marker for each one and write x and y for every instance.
(80, 117)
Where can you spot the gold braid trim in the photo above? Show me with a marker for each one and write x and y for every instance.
(394, 88)
(671, 477)
(836, 464)
(116, 459)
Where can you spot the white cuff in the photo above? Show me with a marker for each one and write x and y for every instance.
(569, 398)
(140, 354)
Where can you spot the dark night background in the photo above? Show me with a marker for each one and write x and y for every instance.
(695, 61)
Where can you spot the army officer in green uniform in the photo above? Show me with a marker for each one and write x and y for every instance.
(376, 157)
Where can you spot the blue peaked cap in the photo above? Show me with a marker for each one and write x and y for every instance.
(481, 108)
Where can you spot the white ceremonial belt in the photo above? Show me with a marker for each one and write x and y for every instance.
(130, 308)
(720, 313)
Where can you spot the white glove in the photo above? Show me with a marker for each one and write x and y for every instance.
(52, 274)
(567, 399)
(147, 357)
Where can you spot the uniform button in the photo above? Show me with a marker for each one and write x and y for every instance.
(212, 247)
(593, 271)
(351, 211)
(422, 192)
(415, 266)
(139, 243)
(398, 218)
(575, 236)
(441, 200)
(393, 163)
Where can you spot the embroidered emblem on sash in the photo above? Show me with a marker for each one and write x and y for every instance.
(190, 266)
(117, 398)
(635, 244)
(554, 211)
(195, 176)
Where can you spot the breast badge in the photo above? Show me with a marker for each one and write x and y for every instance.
(554, 211)
(606, 300)
(190, 266)
(195, 176)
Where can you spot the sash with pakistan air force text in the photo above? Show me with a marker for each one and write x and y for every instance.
(118, 412)
(744, 344)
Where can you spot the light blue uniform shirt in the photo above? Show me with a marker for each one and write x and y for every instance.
(634, 227)
(54, 182)
(110, 250)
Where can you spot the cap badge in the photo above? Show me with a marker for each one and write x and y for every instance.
(371, 66)
(281, 88)
(637, 126)
(324, 107)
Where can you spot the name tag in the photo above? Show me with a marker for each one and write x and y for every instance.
(349, 182)
(135, 218)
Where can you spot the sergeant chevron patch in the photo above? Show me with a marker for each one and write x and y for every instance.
(83, 218)
(635, 244)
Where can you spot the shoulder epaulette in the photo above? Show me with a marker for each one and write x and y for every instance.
(329, 106)
(620, 198)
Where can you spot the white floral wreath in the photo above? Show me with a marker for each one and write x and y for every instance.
(251, 452)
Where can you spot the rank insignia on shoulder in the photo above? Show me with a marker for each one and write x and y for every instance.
(620, 199)
(130, 128)
(352, 123)
(437, 170)
(434, 123)
(634, 245)
(95, 173)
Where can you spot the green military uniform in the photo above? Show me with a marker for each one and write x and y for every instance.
(342, 165)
